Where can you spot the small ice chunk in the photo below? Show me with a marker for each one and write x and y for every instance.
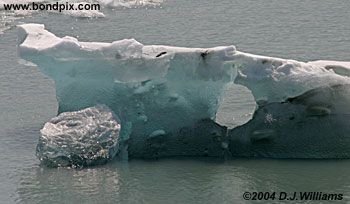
(130, 3)
(82, 138)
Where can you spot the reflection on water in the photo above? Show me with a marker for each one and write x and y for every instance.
(181, 181)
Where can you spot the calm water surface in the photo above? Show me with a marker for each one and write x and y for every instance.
(301, 29)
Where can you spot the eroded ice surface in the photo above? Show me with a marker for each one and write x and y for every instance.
(168, 98)
(83, 138)
(312, 125)
(339, 67)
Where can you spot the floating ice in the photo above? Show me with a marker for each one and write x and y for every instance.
(171, 100)
(130, 3)
(9, 17)
(83, 138)
(82, 13)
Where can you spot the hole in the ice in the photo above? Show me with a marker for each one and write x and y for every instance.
(236, 106)
(340, 70)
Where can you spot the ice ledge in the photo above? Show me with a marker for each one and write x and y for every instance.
(270, 79)
(35, 38)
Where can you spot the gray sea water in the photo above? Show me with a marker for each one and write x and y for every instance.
(300, 29)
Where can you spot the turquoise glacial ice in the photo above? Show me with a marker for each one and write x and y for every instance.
(168, 98)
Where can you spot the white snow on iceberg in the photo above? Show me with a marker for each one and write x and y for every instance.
(269, 78)
(339, 67)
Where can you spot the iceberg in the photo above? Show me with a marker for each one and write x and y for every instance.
(168, 98)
